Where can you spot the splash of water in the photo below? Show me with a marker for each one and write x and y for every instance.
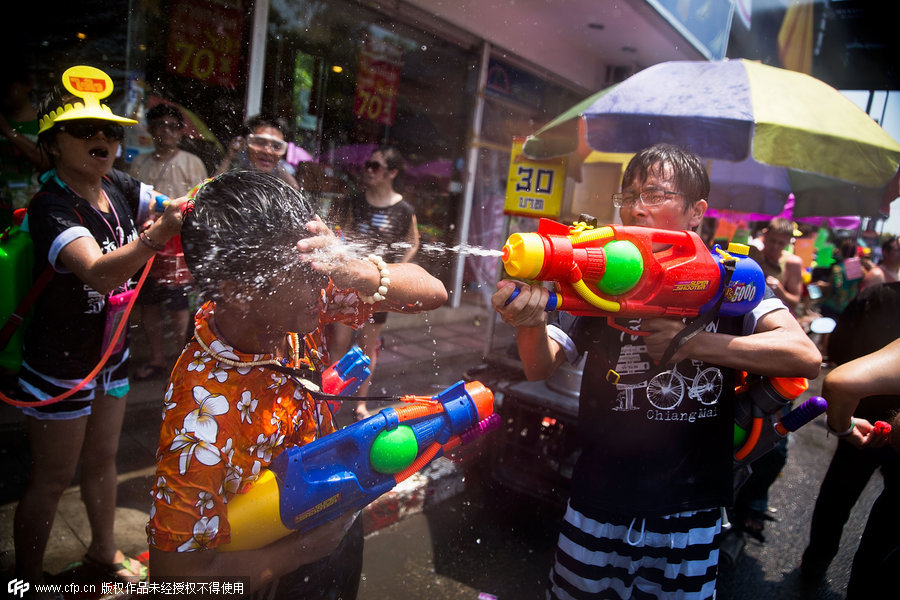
(358, 250)
(438, 248)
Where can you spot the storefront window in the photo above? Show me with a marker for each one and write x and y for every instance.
(349, 80)
(192, 53)
(517, 103)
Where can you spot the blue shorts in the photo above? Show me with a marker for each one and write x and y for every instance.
(36, 387)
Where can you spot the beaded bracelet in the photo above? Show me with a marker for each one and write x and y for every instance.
(383, 284)
(841, 433)
(148, 241)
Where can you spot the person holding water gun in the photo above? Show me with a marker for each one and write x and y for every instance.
(82, 224)
(867, 325)
(655, 468)
(244, 389)
(872, 375)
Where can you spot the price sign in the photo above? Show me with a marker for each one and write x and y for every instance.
(534, 188)
(205, 42)
(377, 81)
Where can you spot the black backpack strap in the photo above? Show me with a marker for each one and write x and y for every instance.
(314, 388)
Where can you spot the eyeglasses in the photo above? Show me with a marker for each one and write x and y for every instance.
(651, 197)
(261, 141)
(374, 166)
(85, 129)
(170, 125)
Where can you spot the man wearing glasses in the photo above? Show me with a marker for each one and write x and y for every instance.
(644, 517)
(261, 148)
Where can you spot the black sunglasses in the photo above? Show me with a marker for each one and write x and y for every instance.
(375, 166)
(85, 129)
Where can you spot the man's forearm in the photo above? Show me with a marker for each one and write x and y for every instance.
(537, 351)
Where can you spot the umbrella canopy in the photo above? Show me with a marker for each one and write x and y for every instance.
(767, 131)
(787, 212)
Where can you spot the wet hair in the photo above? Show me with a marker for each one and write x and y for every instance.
(393, 158)
(165, 110)
(887, 244)
(243, 227)
(690, 175)
(781, 226)
(264, 120)
(394, 161)
(846, 248)
(56, 97)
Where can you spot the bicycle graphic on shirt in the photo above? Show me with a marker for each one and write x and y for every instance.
(666, 390)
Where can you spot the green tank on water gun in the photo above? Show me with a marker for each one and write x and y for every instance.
(309, 485)
(621, 271)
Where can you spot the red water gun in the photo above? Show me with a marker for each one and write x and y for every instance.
(621, 271)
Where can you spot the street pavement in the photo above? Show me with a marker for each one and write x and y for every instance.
(451, 532)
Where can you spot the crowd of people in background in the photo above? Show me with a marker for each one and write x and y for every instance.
(93, 214)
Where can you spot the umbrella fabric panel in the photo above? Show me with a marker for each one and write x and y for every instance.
(699, 105)
(820, 196)
(748, 186)
(804, 124)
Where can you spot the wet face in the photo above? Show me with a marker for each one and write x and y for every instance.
(86, 146)
(375, 170)
(293, 304)
(892, 253)
(265, 147)
(774, 244)
(166, 131)
(672, 213)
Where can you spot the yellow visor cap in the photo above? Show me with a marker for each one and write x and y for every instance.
(91, 85)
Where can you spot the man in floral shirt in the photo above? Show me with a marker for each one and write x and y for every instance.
(237, 396)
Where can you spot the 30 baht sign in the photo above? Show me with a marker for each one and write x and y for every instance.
(534, 188)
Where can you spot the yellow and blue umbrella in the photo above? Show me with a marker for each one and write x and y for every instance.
(766, 131)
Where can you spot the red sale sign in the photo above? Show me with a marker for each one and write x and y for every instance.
(377, 81)
(205, 42)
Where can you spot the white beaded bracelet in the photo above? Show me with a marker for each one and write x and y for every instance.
(841, 434)
(383, 284)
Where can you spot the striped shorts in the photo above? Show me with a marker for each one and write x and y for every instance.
(112, 381)
(674, 557)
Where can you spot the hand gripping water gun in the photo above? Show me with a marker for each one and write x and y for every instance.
(614, 271)
(309, 485)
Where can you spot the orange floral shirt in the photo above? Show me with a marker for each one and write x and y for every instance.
(223, 424)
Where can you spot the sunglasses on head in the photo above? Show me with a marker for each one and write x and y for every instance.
(374, 166)
(85, 129)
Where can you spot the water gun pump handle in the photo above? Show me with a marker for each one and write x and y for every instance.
(551, 301)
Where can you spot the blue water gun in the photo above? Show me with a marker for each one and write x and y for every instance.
(309, 485)
(346, 375)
